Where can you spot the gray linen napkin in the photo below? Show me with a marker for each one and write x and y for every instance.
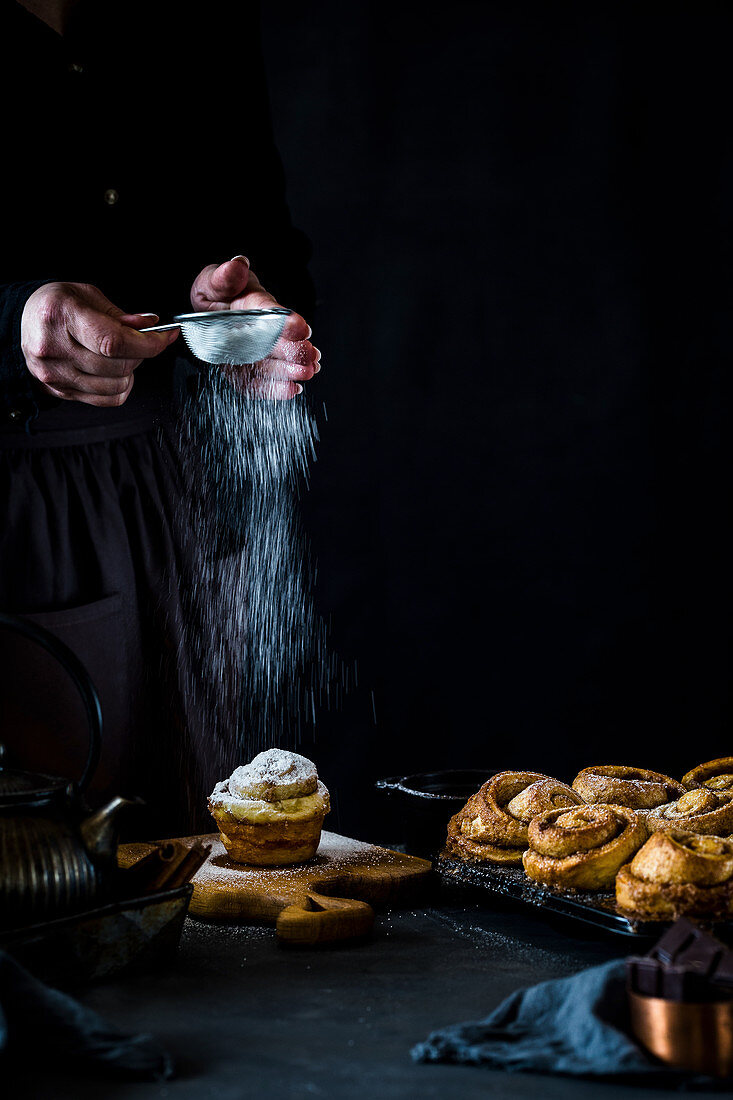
(53, 1026)
(577, 1026)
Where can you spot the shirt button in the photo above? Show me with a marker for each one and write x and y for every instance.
(75, 67)
(15, 414)
(111, 196)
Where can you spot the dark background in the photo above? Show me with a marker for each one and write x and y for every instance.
(521, 222)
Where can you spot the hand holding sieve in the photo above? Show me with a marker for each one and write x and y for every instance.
(235, 337)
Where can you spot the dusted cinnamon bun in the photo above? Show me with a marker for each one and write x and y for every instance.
(717, 775)
(678, 872)
(270, 812)
(698, 811)
(582, 848)
(618, 785)
(493, 824)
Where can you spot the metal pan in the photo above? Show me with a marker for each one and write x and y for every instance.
(591, 909)
(424, 803)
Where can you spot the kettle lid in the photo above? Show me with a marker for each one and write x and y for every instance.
(18, 789)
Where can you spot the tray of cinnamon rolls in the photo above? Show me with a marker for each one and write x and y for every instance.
(623, 848)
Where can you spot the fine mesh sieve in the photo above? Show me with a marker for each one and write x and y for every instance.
(235, 337)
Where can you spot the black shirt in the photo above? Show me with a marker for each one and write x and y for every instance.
(138, 149)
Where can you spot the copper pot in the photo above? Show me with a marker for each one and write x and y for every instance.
(696, 1037)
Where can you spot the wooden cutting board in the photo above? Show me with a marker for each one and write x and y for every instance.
(325, 899)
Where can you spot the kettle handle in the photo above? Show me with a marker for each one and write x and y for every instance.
(80, 677)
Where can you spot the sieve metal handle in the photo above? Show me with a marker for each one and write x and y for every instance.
(161, 328)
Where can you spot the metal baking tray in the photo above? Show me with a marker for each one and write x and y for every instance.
(595, 909)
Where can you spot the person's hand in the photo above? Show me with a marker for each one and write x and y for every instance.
(80, 347)
(232, 285)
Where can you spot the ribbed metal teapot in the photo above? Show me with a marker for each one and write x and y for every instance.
(55, 859)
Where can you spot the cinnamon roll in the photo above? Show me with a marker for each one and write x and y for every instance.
(582, 848)
(270, 812)
(638, 788)
(677, 873)
(493, 824)
(717, 775)
(700, 811)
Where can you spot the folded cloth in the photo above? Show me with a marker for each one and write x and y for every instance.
(577, 1026)
(53, 1025)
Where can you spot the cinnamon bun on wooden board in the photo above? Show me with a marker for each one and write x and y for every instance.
(676, 873)
(582, 848)
(270, 812)
(492, 826)
(619, 785)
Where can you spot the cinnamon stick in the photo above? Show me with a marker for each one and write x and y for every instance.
(161, 867)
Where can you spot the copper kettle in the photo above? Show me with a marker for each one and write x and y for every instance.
(55, 859)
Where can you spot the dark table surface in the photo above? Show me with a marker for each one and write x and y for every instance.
(243, 1017)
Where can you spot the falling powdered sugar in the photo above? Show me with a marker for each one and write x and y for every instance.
(255, 664)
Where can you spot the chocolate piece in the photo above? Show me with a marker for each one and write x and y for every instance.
(653, 978)
(723, 975)
(675, 940)
(686, 964)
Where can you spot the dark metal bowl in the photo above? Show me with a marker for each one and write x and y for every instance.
(138, 933)
(426, 801)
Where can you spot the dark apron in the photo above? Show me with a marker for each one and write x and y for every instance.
(90, 547)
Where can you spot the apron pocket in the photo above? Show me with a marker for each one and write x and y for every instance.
(44, 726)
